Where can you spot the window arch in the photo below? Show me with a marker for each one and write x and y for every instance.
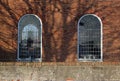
(90, 38)
(29, 38)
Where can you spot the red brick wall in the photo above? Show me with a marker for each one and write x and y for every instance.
(59, 18)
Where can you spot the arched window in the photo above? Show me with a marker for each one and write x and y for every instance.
(29, 38)
(90, 38)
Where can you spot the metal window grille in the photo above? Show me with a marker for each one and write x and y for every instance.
(29, 38)
(89, 38)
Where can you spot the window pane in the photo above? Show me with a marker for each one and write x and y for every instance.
(89, 38)
(29, 38)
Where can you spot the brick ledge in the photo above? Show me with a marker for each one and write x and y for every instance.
(59, 64)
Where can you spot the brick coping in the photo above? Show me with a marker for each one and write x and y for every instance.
(59, 64)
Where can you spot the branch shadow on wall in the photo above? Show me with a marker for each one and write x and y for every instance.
(42, 9)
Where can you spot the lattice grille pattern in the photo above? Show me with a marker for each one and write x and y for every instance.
(89, 38)
(29, 47)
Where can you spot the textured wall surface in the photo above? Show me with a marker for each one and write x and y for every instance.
(59, 19)
(59, 71)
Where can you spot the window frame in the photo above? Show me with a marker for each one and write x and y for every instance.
(101, 39)
(20, 27)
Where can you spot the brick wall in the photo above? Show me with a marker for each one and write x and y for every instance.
(59, 18)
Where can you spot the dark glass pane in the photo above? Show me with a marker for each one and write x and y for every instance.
(30, 45)
(90, 38)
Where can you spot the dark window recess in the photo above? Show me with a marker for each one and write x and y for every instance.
(81, 24)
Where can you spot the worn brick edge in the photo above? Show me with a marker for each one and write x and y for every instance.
(39, 64)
